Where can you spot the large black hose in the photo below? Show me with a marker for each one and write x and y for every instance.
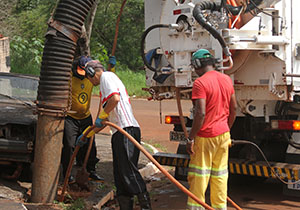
(144, 35)
(251, 6)
(197, 13)
(59, 50)
(207, 5)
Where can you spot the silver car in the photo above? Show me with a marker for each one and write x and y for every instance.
(17, 123)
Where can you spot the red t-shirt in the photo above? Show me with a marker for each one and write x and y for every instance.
(217, 89)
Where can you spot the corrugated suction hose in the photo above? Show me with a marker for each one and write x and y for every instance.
(59, 50)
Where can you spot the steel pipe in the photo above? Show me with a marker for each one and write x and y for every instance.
(54, 94)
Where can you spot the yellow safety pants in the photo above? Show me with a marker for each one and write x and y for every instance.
(209, 163)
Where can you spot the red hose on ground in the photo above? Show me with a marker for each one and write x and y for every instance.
(148, 155)
(164, 171)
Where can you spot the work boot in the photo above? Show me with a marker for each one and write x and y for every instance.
(144, 201)
(125, 202)
(95, 177)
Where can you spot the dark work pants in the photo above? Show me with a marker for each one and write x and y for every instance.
(128, 179)
(73, 129)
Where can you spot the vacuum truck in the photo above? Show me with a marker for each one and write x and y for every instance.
(256, 43)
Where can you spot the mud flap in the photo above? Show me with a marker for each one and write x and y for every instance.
(181, 172)
(179, 160)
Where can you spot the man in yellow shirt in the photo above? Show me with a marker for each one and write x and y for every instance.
(79, 119)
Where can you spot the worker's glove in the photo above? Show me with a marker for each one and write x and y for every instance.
(80, 142)
(102, 116)
(98, 122)
(84, 140)
(112, 61)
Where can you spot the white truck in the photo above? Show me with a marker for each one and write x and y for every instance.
(257, 43)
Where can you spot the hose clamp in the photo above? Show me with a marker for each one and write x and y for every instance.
(68, 32)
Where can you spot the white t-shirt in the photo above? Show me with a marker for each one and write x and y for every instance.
(121, 115)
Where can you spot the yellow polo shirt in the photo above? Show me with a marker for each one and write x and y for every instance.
(81, 98)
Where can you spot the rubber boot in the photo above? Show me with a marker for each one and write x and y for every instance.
(144, 201)
(125, 202)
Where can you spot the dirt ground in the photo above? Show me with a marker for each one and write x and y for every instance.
(153, 128)
(249, 193)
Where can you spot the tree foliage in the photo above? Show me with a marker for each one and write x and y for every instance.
(29, 24)
(26, 55)
(130, 30)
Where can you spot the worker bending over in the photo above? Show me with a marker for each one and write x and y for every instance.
(214, 105)
(115, 106)
(78, 119)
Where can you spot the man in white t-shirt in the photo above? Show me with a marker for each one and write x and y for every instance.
(115, 106)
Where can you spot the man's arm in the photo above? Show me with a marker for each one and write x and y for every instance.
(111, 103)
(232, 110)
(103, 113)
(199, 115)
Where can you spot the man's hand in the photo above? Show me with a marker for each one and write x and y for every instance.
(112, 61)
(80, 141)
(98, 122)
(102, 116)
(190, 146)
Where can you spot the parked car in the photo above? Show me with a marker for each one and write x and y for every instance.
(17, 123)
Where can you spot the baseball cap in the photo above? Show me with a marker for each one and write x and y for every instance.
(82, 61)
(202, 53)
(94, 64)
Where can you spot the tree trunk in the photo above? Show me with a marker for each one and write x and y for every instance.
(83, 43)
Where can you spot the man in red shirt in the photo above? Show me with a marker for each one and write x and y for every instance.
(214, 113)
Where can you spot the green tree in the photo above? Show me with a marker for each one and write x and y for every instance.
(29, 20)
(26, 55)
(130, 30)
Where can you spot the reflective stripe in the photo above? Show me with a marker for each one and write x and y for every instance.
(192, 206)
(201, 172)
(244, 169)
(220, 207)
(223, 208)
(251, 170)
(231, 168)
(287, 171)
(219, 173)
(258, 170)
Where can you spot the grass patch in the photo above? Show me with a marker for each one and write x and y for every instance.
(148, 148)
(77, 204)
(160, 147)
(156, 145)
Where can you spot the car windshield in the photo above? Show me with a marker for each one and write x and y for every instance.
(18, 87)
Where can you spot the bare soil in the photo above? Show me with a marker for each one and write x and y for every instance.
(248, 192)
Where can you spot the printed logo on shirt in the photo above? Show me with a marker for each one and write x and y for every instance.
(83, 97)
